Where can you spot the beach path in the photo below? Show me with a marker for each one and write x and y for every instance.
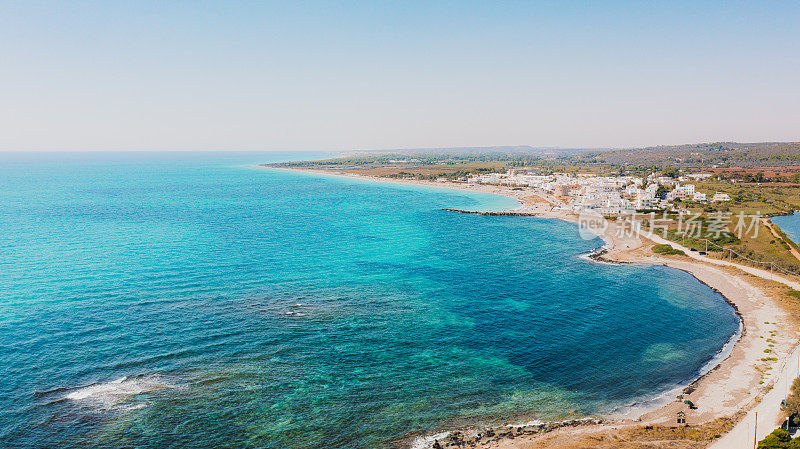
(768, 410)
(764, 274)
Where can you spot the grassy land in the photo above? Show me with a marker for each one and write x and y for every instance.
(749, 199)
(432, 166)
(417, 167)
(762, 246)
(768, 198)
(430, 172)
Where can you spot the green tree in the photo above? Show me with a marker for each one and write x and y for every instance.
(792, 404)
(672, 172)
(778, 439)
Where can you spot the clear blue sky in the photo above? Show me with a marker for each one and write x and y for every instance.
(395, 74)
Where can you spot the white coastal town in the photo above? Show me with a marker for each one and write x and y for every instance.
(608, 195)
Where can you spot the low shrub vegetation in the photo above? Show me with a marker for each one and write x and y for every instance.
(667, 250)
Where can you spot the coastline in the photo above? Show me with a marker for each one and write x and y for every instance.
(732, 381)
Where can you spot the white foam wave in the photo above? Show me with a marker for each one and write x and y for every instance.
(426, 442)
(119, 390)
(534, 422)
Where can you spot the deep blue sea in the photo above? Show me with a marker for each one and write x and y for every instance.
(157, 300)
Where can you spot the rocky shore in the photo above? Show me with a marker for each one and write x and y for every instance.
(479, 438)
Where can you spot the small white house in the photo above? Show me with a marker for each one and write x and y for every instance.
(699, 196)
(719, 196)
(666, 181)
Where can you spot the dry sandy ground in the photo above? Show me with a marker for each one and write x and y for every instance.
(736, 384)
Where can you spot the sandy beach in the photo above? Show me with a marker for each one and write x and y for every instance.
(761, 362)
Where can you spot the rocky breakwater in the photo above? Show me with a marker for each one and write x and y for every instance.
(513, 213)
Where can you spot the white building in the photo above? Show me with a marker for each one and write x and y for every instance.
(666, 181)
(719, 196)
(644, 202)
(681, 192)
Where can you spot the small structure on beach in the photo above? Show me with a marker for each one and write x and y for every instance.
(681, 418)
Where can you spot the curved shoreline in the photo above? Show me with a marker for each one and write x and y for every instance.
(515, 429)
(712, 381)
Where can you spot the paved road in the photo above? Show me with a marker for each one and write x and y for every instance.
(765, 274)
(768, 410)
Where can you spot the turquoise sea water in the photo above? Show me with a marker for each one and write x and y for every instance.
(790, 224)
(191, 300)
